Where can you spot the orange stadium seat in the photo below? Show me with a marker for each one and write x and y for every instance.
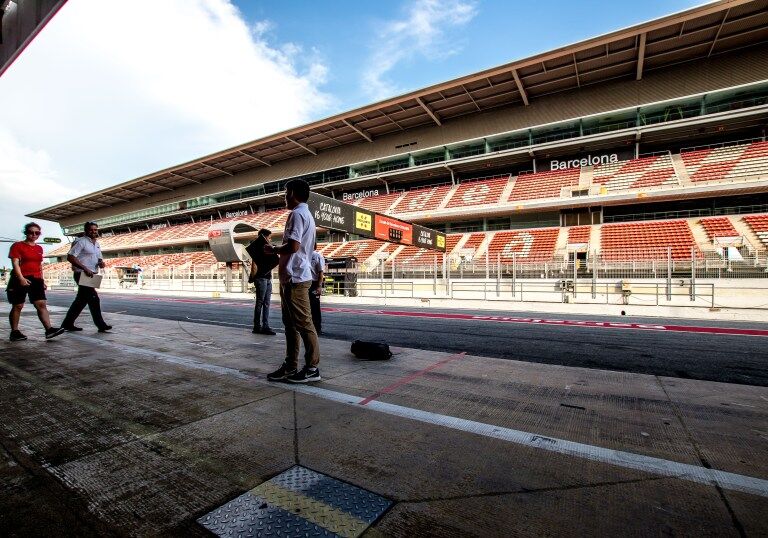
(759, 225)
(579, 235)
(730, 162)
(543, 184)
(479, 192)
(648, 240)
(422, 199)
(533, 245)
(362, 250)
(719, 227)
(636, 173)
(380, 204)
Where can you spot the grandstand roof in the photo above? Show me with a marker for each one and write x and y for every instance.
(693, 34)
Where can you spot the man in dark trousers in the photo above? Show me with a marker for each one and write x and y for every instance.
(317, 266)
(261, 277)
(85, 257)
(295, 279)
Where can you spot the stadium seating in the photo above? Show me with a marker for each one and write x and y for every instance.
(362, 250)
(543, 184)
(424, 199)
(648, 240)
(730, 162)
(636, 173)
(719, 227)
(759, 225)
(533, 245)
(579, 235)
(379, 203)
(479, 192)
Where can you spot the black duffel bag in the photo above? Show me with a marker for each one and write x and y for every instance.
(371, 351)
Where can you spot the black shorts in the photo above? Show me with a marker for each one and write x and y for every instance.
(17, 293)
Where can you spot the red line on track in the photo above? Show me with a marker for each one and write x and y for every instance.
(410, 378)
(561, 322)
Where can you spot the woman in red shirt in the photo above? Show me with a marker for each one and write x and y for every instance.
(27, 279)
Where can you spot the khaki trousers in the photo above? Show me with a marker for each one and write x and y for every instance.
(297, 320)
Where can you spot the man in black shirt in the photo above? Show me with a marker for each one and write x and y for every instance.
(261, 276)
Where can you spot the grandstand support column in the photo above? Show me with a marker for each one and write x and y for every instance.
(228, 278)
(243, 279)
(693, 273)
(669, 273)
(487, 268)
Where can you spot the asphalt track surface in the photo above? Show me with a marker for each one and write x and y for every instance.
(691, 349)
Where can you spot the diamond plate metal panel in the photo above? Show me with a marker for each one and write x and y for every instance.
(298, 502)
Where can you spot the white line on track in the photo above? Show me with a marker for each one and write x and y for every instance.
(628, 460)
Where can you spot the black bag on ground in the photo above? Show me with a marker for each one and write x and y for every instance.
(371, 351)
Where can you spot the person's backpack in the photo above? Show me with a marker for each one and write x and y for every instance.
(371, 351)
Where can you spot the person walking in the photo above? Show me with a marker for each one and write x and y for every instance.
(295, 279)
(317, 266)
(27, 280)
(261, 277)
(85, 257)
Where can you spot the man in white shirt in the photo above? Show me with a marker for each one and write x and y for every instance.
(295, 280)
(317, 266)
(85, 257)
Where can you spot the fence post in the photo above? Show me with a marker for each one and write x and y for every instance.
(448, 276)
(669, 273)
(392, 282)
(498, 274)
(514, 272)
(594, 275)
(575, 273)
(434, 276)
(381, 276)
(693, 273)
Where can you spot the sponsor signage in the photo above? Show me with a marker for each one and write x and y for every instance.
(159, 226)
(426, 238)
(336, 215)
(393, 230)
(588, 159)
(51, 240)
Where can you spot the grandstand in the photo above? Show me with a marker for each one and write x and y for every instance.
(644, 145)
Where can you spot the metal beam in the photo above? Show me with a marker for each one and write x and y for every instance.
(520, 87)
(187, 178)
(428, 110)
(470, 97)
(136, 192)
(157, 185)
(576, 68)
(216, 168)
(262, 161)
(302, 146)
(719, 29)
(359, 131)
(641, 56)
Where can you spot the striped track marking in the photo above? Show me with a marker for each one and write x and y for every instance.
(627, 460)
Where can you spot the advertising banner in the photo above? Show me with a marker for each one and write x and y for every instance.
(336, 215)
(393, 230)
(426, 238)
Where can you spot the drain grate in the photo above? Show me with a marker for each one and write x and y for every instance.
(298, 502)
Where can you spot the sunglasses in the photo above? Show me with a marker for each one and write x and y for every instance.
(33, 233)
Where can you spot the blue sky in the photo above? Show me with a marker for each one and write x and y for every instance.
(106, 94)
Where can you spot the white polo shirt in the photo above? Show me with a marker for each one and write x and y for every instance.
(300, 227)
(88, 252)
(317, 265)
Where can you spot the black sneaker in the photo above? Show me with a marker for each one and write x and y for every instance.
(71, 328)
(256, 331)
(267, 330)
(306, 375)
(53, 332)
(17, 336)
(281, 373)
(105, 328)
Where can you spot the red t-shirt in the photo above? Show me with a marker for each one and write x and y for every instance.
(30, 258)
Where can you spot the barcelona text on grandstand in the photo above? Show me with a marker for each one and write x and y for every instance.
(360, 195)
(589, 160)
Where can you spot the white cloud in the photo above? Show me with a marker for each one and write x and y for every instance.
(422, 32)
(112, 90)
